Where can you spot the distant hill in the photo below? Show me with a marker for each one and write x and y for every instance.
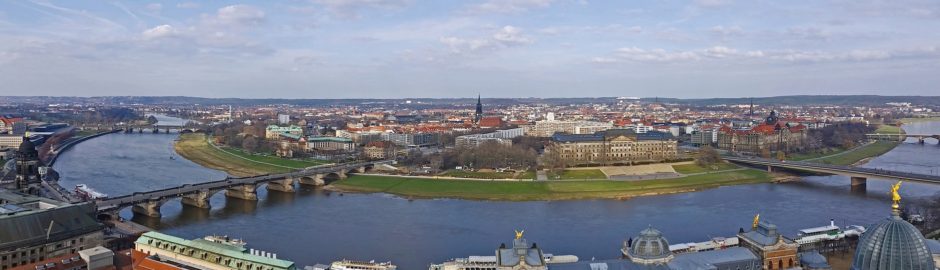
(858, 100)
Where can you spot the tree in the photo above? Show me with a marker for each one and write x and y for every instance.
(781, 155)
(707, 156)
(764, 153)
(250, 143)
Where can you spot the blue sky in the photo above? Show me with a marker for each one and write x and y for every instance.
(499, 48)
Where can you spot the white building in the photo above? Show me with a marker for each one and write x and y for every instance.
(283, 119)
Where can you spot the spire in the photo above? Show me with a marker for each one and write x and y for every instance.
(752, 108)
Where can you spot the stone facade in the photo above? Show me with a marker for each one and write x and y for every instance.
(613, 147)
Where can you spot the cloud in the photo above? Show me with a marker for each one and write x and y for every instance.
(724, 31)
(240, 15)
(511, 35)
(509, 6)
(160, 31)
(716, 53)
(506, 36)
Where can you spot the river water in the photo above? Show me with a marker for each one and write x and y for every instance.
(312, 226)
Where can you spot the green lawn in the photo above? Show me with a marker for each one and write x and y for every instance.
(888, 129)
(490, 175)
(480, 175)
(542, 190)
(85, 133)
(694, 168)
(292, 163)
(589, 174)
(817, 154)
(875, 149)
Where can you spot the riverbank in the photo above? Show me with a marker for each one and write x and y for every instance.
(196, 148)
(543, 190)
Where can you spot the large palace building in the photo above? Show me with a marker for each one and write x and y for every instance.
(615, 146)
(771, 136)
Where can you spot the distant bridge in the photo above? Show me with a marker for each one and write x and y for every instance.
(902, 137)
(197, 195)
(155, 129)
(858, 175)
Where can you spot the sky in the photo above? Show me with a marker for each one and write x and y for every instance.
(495, 48)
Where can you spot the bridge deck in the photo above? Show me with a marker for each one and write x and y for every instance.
(838, 169)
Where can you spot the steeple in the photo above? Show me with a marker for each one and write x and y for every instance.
(752, 108)
(479, 112)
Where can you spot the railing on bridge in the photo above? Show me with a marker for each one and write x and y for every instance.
(900, 137)
(859, 174)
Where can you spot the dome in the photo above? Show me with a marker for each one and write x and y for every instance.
(892, 244)
(27, 149)
(648, 248)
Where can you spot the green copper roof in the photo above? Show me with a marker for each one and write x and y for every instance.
(233, 252)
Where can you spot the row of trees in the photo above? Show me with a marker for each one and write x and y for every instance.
(485, 156)
(844, 135)
(248, 137)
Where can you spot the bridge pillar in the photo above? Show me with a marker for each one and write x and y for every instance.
(342, 174)
(920, 140)
(286, 185)
(198, 200)
(770, 168)
(314, 180)
(244, 192)
(148, 208)
(859, 182)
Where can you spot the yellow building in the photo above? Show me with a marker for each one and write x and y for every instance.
(615, 146)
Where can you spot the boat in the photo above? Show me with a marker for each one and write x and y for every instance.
(89, 194)
(716, 243)
(360, 265)
(827, 233)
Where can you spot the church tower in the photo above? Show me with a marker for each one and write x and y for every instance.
(27, 168)
(479, 113)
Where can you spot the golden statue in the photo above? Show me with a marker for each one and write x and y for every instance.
(519, 234)
(756, 220)
(895, 196)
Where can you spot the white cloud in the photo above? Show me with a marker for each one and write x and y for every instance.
(511, 35)
(506, 36)
(716, 53)
(509, 6)
(240, 15)
(727, 31)
(160, 31)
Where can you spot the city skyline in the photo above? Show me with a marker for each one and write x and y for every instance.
(500, 49)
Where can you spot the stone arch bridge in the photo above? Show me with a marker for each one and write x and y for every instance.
(244, 188)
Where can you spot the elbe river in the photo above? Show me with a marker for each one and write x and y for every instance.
(312, 226)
